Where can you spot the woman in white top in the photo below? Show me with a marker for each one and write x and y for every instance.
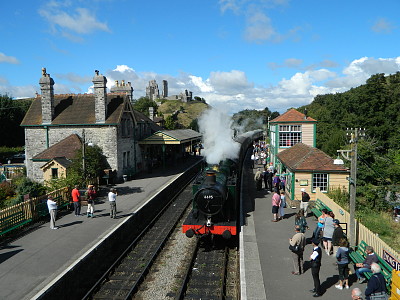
(52, 206)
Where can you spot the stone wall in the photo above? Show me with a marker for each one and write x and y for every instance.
(106, 137)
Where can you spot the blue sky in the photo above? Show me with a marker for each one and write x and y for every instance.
(237, 54)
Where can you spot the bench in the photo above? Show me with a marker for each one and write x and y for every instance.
(13, 221)
(318, 207)
(358, 256)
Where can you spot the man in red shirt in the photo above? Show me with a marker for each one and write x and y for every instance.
(76, 198)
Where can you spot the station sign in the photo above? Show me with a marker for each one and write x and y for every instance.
(393, 262)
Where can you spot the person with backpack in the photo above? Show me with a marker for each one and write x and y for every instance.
(297, 242)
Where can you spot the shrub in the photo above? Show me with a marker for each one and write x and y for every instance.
(6, 192)
(27, 186)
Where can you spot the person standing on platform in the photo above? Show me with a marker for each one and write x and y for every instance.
(316, 258)
(282, 205)
(76, 199)
(258, 177)
(300, 221)
(327, 234)
(268, 178)
(252, 160)
(277, 183)
(337, 236)
(265, 178)
(91, 196)
(298, 240)
(320, 224)
(112, 198)
(305, 198)
(276, 201)
(342, 257)
(52, 206)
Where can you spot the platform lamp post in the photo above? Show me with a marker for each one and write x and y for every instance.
(351, 155)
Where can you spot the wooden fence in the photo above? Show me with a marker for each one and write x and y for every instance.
(363, 233)
(30, 210)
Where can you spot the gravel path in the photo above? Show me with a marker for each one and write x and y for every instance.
(161, 282)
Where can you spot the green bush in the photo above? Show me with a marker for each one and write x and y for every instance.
(6, 192)
(27, 186)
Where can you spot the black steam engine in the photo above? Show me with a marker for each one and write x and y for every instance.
(216, 194)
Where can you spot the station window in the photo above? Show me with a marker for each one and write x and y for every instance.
(320, 180)
(54, 173)
(289, 135)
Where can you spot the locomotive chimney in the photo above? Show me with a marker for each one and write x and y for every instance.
(211, 178)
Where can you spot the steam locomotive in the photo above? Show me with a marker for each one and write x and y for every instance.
(216, 195)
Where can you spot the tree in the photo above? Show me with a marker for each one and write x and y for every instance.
(194, 125)
(12, 113)
(170, 123)
(247, 120)
(95, 163)
(143, 103)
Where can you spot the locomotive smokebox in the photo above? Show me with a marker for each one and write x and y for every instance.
(211, 178)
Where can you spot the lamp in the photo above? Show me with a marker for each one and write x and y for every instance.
(338, 161)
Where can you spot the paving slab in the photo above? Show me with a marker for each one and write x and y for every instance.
(31, 262)
(268, 268)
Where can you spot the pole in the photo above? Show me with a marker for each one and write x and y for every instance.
(353, 188)
(83, 156)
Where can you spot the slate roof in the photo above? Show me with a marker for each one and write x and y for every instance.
(75, 109)
(177, 136)
(66, 148)
(303, 158)
(292, 115)
(65, 162)
(142, 118)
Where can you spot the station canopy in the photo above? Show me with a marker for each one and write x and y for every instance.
(172, 137)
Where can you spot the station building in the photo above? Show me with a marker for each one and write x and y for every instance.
(294, 154)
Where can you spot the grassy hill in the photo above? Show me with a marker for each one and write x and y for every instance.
(185, 112)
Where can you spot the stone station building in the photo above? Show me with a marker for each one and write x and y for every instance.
(103, 119)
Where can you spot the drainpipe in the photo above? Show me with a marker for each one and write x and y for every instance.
(47, 136)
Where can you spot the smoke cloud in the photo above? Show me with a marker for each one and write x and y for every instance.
(215, 126)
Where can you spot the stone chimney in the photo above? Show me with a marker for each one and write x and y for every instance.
(123, 88)
(100, 95)
(151, 113)
(46, 86)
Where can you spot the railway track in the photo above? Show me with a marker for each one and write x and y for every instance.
(123, 278)
(212, 273)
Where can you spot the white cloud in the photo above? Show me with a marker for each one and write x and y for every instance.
(8, 59)
(259, 28)
(229, 82)
(382, 26)
(81, 21)
(231, 91)
(204, 87)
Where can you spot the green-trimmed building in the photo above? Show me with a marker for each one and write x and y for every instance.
(293, 152)
(310, 168)
(288, 129)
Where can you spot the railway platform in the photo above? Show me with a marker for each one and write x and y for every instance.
(32, 262)
(266, 261)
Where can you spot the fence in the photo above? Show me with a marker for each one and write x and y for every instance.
(30, 210)
(363, 233)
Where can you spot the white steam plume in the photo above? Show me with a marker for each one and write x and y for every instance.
(215, 127)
